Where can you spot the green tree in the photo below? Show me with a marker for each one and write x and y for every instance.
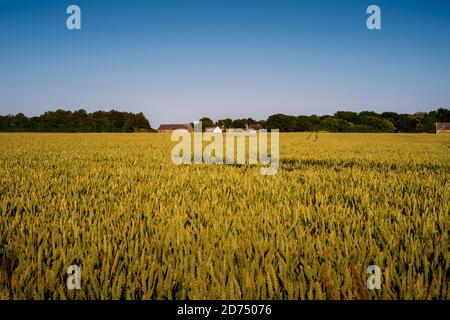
(226, 123)
(206, 122)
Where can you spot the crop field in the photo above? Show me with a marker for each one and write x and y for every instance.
(141, 227)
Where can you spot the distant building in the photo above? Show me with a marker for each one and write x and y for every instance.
(235, 130)
(213, 129)
(254, 127)
(442, 128)
(172, 127)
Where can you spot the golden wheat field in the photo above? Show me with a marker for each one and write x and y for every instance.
(141, 227)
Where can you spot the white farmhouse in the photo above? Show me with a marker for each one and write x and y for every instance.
(213, 129)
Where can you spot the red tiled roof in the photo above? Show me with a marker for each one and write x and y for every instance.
(443, 126)
(175, 126)
(255, 127)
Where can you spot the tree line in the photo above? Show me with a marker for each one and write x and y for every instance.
(77, 121)
(116, 121)
(345, 121)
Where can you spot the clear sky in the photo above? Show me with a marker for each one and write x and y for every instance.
(178, 60)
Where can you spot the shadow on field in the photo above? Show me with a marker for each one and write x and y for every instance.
(292, 164)
(8, 263)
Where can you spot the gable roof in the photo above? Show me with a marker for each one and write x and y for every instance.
(443, 126)
(186, 126)
(213, 129)
(255, 127)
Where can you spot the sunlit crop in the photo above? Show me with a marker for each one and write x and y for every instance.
(141, 227)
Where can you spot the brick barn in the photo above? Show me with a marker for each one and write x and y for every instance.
(442, 128)
(172, 127)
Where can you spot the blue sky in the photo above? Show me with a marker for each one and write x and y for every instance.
(179, 60)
